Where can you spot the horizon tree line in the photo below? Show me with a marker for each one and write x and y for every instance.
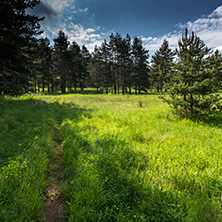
(120, 65)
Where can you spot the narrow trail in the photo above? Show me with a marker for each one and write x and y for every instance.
(53, 205)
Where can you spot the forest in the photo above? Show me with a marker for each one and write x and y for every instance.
(30, 63)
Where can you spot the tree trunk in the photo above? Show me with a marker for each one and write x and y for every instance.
(39, 85)
(43, 86)
(48, 85)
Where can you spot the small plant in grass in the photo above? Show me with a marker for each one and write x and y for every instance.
(140, 103)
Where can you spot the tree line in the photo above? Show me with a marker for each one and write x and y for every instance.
(191, 74)
(31, 64)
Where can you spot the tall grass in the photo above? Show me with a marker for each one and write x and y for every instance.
(126, 158)
(125, 162)
(28, 137)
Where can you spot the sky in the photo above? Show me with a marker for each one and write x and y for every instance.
(89, 22)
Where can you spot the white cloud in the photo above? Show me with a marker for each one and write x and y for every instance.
(59, 5)
(217, 12)
(84, 10)
(83, 36)
(154, 44)
(208, 28)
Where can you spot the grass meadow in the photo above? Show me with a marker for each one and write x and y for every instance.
(125, 158)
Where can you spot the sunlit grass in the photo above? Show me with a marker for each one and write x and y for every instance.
(125, 162)
(126, 158)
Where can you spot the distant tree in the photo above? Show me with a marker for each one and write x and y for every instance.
(46, 63)
(103, 60)
(84, 75)
(140, 72)
(96, 70)
(17, 31)
(116, 65)
(128, 62)
(75, 64)
(125, 61)
(216, 65)
(161, 65)
(120, 61)
(61, 59)
(192, 88)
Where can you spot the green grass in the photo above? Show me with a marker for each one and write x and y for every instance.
(126, 158)
(28, 139)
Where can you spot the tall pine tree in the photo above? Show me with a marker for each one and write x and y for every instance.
(61, 59)
(161, 66)
(17, 31)
(192, 88)
(140, 63)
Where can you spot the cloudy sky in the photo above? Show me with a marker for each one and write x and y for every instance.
(89, 22)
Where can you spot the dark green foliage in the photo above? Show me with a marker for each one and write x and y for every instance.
(192, 84)
(75, 65)
(46, 63)
(60, 59)
(84, 74)
(94, 68)
(17, 31)
(161, 65)
(120, 65)
(216, 64)
(140, 65)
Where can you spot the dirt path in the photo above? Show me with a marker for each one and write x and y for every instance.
(53, 206)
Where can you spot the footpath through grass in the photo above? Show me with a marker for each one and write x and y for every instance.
(28, 138)
(126, 158)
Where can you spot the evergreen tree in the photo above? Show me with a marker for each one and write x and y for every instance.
(115, 45)
(75, 64)
(161, 65)
(105, 66)
(95, 69)
(192, 87)
(46, 63)
(128, 62)
(17, 31)
(216, 65)
(140, 71)
(61, 59)
(124, 63)
(84, 75)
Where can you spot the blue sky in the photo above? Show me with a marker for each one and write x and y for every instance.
(89, 22)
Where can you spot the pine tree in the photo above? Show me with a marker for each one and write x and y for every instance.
(124, 63)
(75, 64)
(140, 57)
(192, 88)
(84, 75)
(105, 57)
(216, 65)
(61, 59)
(17, 31)
(161, 65)
(95, 69)
(46, 63)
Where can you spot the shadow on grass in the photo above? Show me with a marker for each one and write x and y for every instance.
(83, 92)
(213, 120)
(109, 179)
(95, 92)
(24, 121)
